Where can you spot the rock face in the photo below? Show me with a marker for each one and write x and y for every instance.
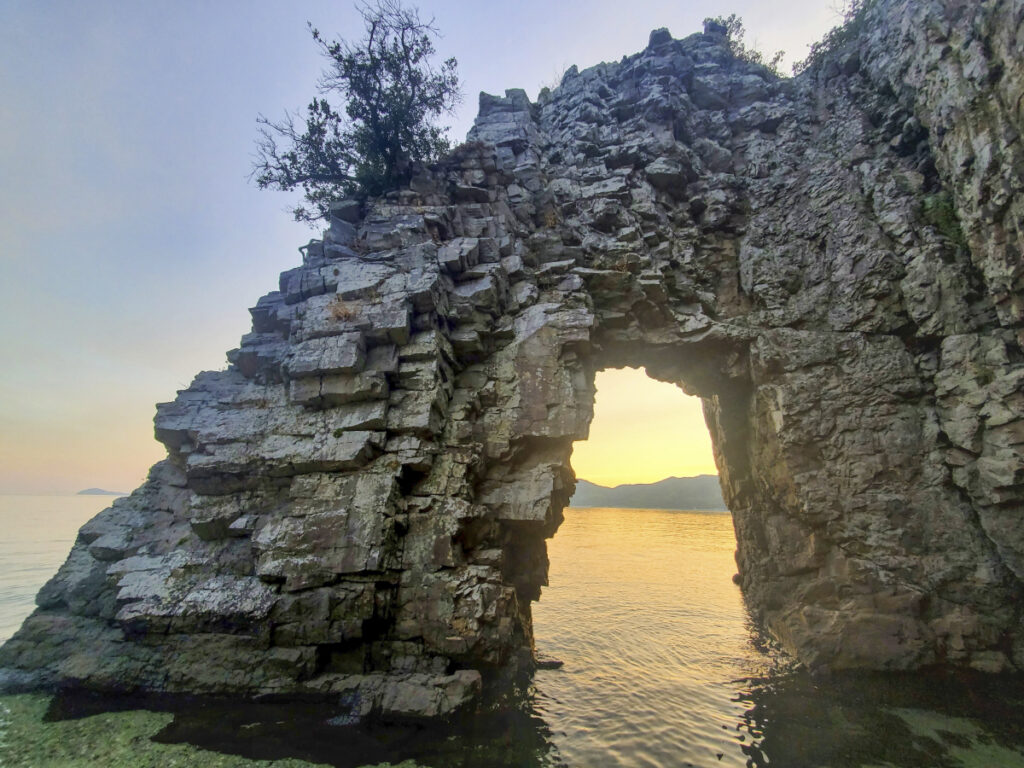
(359, 504)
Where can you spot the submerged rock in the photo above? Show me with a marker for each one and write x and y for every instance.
(358, 506)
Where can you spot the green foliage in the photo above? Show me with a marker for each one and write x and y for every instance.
(735, 31)
(939, 211)
(391, 95)
(854, 21)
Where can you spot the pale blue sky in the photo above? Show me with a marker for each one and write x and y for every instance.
(131, 243)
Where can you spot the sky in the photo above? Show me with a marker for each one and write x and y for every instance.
(643, 431)
(131, 240)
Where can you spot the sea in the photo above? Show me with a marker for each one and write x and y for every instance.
(661, 665)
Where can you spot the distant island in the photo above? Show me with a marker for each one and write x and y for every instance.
(701, 492)
(98, 492)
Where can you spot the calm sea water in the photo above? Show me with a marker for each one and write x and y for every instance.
(662, 668)
(642, 609)
(36, 534)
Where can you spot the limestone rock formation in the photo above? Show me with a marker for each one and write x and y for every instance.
(359, 504)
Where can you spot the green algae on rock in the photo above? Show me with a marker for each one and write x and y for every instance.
(965, 740)
(110, 740)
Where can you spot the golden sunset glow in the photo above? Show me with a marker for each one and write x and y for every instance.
(643, 431)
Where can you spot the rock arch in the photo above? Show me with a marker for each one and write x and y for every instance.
(359, 504)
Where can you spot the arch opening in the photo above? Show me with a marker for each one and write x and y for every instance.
(643, 432)
(641, 608)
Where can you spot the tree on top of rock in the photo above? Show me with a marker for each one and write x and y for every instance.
(392, 95)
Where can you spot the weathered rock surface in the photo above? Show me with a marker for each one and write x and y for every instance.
(359, 504)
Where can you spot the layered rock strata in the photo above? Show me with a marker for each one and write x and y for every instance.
(359, 504)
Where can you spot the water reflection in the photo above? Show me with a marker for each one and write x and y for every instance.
(792, 720)
(662, 667)
(922, 720)
(502, 736)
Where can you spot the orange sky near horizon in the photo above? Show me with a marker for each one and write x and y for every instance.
(643, 431)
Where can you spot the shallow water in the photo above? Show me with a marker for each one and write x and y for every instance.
(662, 667)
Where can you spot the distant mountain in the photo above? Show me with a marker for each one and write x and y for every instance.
(98, 492)
(701, 492)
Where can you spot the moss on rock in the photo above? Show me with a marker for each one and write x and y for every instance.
(940, 212)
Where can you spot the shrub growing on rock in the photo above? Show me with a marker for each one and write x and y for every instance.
(391, 98)
(854, 21)
(732, 25)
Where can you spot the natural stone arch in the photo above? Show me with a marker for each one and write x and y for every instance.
(360, 503)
